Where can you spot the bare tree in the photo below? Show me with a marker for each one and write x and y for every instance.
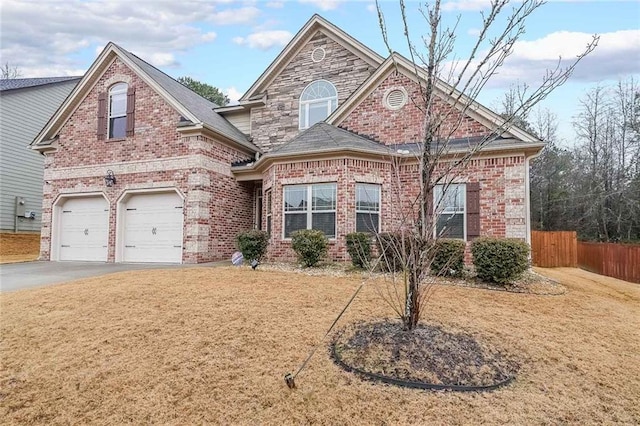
(461, 83)
(608, 154)
(9, 72)
(552, 178)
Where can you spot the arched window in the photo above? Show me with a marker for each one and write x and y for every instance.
(318, 100)
(118, 111)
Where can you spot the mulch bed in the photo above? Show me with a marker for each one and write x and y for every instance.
(529, 282)
(429, 354)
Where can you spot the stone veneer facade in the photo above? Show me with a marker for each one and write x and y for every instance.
(156, 156)
(278, 121)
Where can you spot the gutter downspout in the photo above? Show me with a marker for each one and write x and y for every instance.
(527, 197)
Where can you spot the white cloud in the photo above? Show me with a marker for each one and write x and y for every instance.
(264, 40)
(162, 59)
(233, 94)
(323, 4)
(615, 56)
(372, 8)
(466, 5)
(473, 32)
(275, 4)
(243, 15)
(51, 38)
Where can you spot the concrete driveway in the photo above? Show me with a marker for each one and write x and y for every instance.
(18, 276)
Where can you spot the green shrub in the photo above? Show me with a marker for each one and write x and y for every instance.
(359, 248)
(499, 260)
(310, 246)
(253, 244)
(448, 258)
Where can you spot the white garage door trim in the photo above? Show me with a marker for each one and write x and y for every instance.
(93, 227)
(149, 226)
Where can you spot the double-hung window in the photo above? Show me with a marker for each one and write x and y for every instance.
(318, 100)
(268, 203)
(310, 207)
(118, 111)
(449, 208)
(367, 207)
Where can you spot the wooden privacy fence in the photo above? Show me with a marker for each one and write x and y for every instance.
(620, 261)
(552, 249)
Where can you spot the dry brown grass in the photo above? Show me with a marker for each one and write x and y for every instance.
(19, 247)
(203, 345)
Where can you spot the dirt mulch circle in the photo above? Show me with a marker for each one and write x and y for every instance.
(428, 357)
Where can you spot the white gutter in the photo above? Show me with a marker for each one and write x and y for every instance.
(527, 195)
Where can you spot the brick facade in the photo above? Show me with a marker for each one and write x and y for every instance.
(156, 156)
(217, 205)
(371, 118)
(502, 195)
(278, 121)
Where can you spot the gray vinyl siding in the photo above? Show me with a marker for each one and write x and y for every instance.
(23, 113)
(242, 120)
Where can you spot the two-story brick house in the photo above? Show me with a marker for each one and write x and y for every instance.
(140, 169)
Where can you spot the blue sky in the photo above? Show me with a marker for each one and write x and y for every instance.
(229, 43)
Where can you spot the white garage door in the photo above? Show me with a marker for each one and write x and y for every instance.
(153, 228)
(84, 229)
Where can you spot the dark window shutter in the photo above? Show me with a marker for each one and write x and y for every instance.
(473, 210)
(131, 108)
(102, 116)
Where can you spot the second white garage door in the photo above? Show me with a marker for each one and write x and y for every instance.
(153, 228)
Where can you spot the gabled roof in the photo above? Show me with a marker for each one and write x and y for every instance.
(316, 23)
(323, 137)
(23, 83)
(397, 62)
(193, 107)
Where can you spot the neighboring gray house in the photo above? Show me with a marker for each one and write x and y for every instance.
(26, 105)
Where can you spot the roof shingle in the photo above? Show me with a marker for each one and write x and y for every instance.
(22, 83)
(196, 104)
(325, 137)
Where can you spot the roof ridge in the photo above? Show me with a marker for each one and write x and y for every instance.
(162, 72)
(28, 82)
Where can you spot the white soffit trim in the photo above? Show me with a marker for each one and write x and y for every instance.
(316, 23)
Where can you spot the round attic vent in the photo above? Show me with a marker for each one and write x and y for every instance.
(395, 98)
(318, 54)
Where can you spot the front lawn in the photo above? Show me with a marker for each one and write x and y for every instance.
(211, 345)
(19, 247)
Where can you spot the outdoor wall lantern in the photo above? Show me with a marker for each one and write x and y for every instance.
(110, 178)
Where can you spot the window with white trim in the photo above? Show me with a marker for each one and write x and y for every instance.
(310, 207)
(449, 206)
(367, 207)
(118, 111)
(317, 101)
(268, 208)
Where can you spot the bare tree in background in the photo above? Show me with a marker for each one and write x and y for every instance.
(551, 177)
(607, 198)
(461, 81)
(9, 72)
